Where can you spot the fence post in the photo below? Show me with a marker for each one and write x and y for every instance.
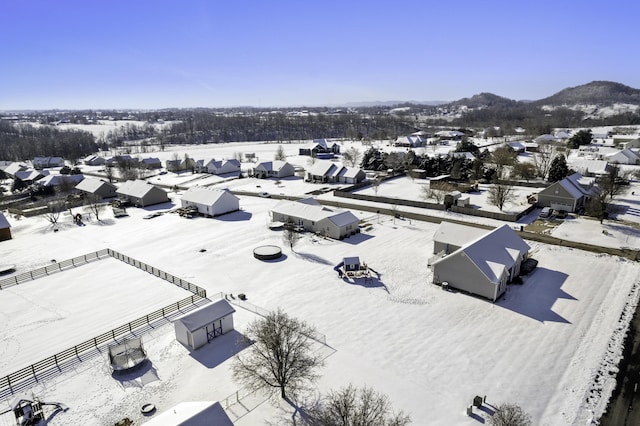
(55, 358)
(33, 370)
(95, 342)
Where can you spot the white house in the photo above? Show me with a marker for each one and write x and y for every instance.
(210, 201)
(200, 326)
(221, 167)
(450, 236)
(413, 141)
(625, 156)
(94, 160)
(47, 162)
(276, 168)
(485, 265)
(59, 180)
(5, 228)
(314, 217)
(329, 172)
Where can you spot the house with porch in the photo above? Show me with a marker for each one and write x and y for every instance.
(141, 193)
(319, 146)
(273, 169)
(97, 187)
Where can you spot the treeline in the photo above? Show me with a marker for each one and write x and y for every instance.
(23, 141)
(205, 127)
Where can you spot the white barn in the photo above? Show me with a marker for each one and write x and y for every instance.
(210, 201)
(198, 327)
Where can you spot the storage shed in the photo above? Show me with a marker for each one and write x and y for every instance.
(199, 327)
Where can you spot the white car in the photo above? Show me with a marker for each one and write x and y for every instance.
(264, 194)
(545, 212)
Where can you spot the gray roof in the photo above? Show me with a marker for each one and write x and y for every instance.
(92, 185)
(457, 234)
(206, 196)
(206, 314)
(4, 223)
(136, 188)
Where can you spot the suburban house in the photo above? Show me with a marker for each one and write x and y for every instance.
(60, 180)
(329, 172)
(97, 187)
(121, 159)
(200, 326)
(625, 156)
(413, 141)
(172, 165)
(220, 167)
(483, 266)
(319, 146)
(151, 163)
(142, 193)
(588, 167)
(322, 171)
(5, 228)
(569, 194)
(192, 413)
(210, 201)
(449, 134)
(94, 160)
(14, 168)
(450, 236)
(276, 168)
(47, 162)
(187, 164)
(314, 217)
(30, 176)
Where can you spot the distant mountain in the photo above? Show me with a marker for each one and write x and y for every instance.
(596, 92)
(484, 100)
(390, 103)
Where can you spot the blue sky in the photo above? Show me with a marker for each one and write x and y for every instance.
(191, 53)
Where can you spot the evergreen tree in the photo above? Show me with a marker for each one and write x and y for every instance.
(558, 169)
(582, 137)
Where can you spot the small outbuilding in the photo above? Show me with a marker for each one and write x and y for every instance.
(5, 228)
(200, 326)
(210, 201)
(351, 264)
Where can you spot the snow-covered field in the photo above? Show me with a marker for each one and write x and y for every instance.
(431, 351)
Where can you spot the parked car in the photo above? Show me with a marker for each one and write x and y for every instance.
(264, 195)
(545, 212)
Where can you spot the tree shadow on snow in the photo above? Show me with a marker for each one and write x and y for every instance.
(367, 282)
(220, 349)
(312, 258)
(537, 295)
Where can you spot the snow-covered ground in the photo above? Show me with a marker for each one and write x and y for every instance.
(431, 351)
(551, 345)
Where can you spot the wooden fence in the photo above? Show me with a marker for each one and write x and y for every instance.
(9, 382)
(53, 268)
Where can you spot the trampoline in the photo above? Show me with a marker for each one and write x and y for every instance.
(127, 355)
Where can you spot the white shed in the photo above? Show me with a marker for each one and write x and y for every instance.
(198, 327)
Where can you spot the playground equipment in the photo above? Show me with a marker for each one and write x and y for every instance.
(29, 412)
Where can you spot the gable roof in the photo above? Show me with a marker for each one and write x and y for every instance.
(323, 168)
(205, 196)
(206, 314)
(457, 234)
(4, 223)
(275, 165)
(310, 209)
(136, 188)
(494, 252)
(56, 180)
(192, 413)
(92, 185)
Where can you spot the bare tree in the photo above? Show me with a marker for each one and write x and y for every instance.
(352, 406)
(503, 156)
(352, 156)
(279, 360)
(109, 173)
(95, 206)
(290, 235)
(542, 159)
(500, 194)
(280, 154)
(376, 186)
(54, 208)
(510, 415)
